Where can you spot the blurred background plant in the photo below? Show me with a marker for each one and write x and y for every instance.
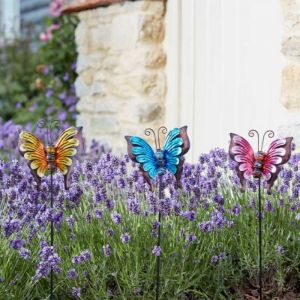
(37, 71)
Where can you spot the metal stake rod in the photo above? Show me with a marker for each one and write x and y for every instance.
(52, 231)
(160, 196)
(260, 238)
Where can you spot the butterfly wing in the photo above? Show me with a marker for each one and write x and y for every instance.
(242, 153)
(65, 148)
(141, 152)
(176, 145)
(279, 153)
(32, 149)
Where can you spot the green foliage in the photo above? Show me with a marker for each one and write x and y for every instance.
(17, 76)
(187, 271)
(36, 78)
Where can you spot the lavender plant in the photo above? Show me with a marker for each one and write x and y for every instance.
(106, 232)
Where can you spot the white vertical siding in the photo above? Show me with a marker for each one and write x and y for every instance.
(10, 18)
(225, 75)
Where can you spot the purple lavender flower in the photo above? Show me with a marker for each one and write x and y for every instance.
(268, 206)
(156, 250)
(214, 259)
(17, 244)
(70, 221)
(236, 209)
(219, 199)
(222, 256)
(49, 93)
(117, 218)
(280, 249)
(107, 250)
(191, 238)
(155, 225)
(88, 218)
(206, 226)
(83, 257)
(125, 238)
(98, 214)
(133, 206)
(110, 232)
(190, 215)
(66, 76)
(76, 292)
(72, 274)
(25, 253)
(48, 259)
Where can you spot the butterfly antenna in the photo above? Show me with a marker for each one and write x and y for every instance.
(270, 134)
(54, 124)
(252, 133)
(163, 130)
(148, 132)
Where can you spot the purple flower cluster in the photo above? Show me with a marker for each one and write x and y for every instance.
(49, 259)
(107, 190)
(83, 257)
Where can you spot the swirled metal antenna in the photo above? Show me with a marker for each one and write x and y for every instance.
(163, 130)
(148, 132)
(252, 133)
(270, 135)
(40, 124)
(53, 124)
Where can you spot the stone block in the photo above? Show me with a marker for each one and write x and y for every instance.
(152, 29)
(291, 46)
(104, 124)
(156, 59)
(154, 85)
(290, 6)
(155, 7)
(290, 89)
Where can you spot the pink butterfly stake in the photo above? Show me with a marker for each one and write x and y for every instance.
(259, 165)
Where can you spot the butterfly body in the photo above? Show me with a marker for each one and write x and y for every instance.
(169, 157)
(42, 160)
(50, 150)
(262, 164)
(259, 164)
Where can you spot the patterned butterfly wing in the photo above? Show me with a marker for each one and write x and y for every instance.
(176, 145)
(32, 149)
(65, 148)
(141, 152)
(279, 153)
(242, 153)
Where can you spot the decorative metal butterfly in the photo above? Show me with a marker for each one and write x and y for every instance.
(43, 159)
(260, 164)
(169, 157)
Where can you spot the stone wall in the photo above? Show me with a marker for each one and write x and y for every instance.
(121, 80)
(290, 91)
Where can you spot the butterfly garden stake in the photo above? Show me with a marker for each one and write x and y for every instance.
(259, 165)
(47, 159)
(156, 163)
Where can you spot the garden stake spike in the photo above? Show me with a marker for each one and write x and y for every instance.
(51, 232)
(258, 165)
(168, 158)
(257, 174)
(42, 159)
(260, 238)
(160, 197)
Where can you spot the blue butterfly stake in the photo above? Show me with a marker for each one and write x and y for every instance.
(168, 158)
(156, 163)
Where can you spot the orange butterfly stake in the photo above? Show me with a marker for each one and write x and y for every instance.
(44, 159)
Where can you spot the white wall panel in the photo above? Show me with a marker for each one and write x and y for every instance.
(224, 68)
